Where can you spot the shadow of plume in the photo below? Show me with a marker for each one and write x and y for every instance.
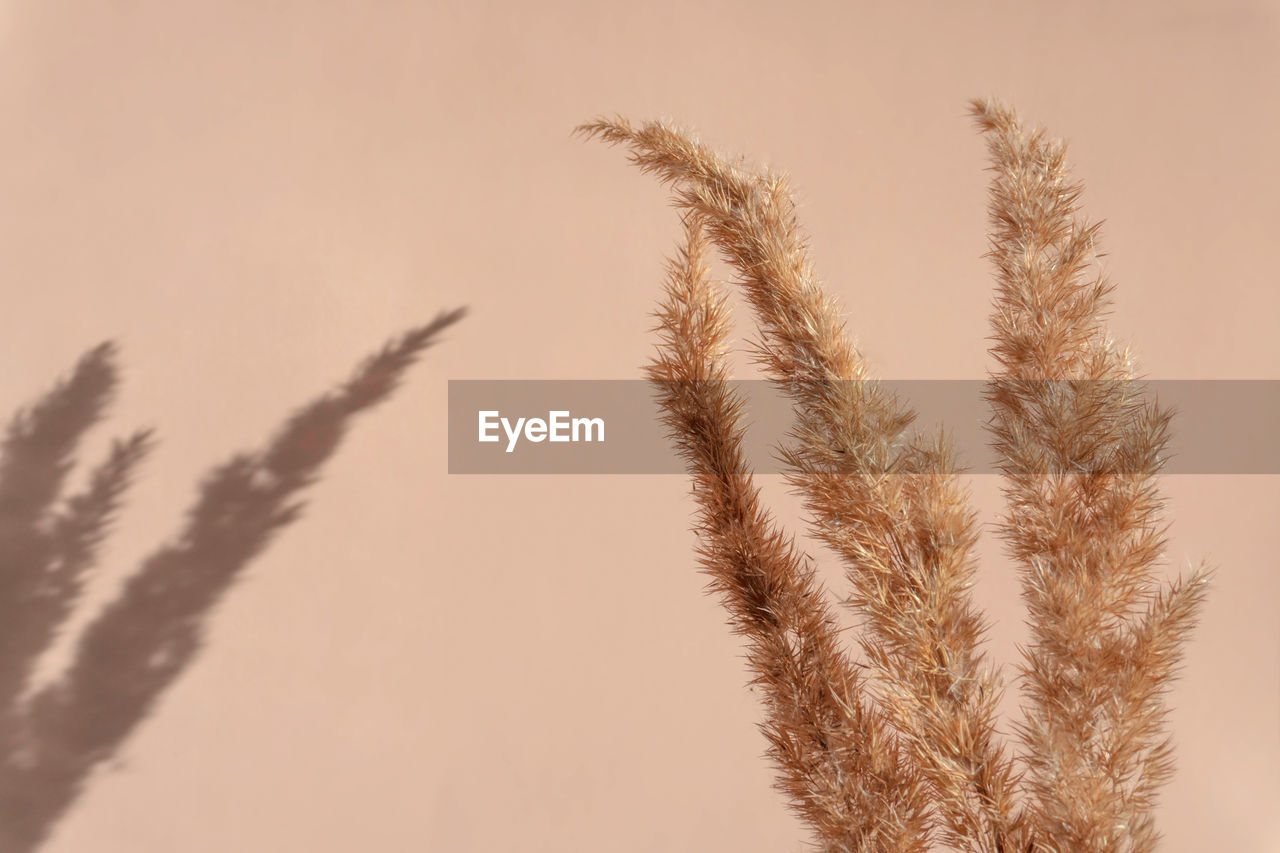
(143, 640)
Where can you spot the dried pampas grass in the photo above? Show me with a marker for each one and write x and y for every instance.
(911, 759)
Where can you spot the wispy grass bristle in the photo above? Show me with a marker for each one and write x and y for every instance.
(1080, 446)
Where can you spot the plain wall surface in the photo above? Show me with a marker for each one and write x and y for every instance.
(249, 197)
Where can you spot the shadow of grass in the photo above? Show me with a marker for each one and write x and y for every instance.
(143, 640)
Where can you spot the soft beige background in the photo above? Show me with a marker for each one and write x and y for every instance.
(249, 196)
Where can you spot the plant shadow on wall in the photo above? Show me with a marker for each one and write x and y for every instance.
(910, 758)
(142, 641)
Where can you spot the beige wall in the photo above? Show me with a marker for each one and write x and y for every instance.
(250, 196)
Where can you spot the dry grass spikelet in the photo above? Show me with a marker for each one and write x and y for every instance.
(913, 758)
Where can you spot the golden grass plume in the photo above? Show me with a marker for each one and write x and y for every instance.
(912, 759)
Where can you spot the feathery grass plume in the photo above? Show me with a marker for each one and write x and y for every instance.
(890, 505)
(1081, 447)
(143, 640)
(838, 760)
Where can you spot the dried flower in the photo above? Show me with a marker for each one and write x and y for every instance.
(916, 760)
